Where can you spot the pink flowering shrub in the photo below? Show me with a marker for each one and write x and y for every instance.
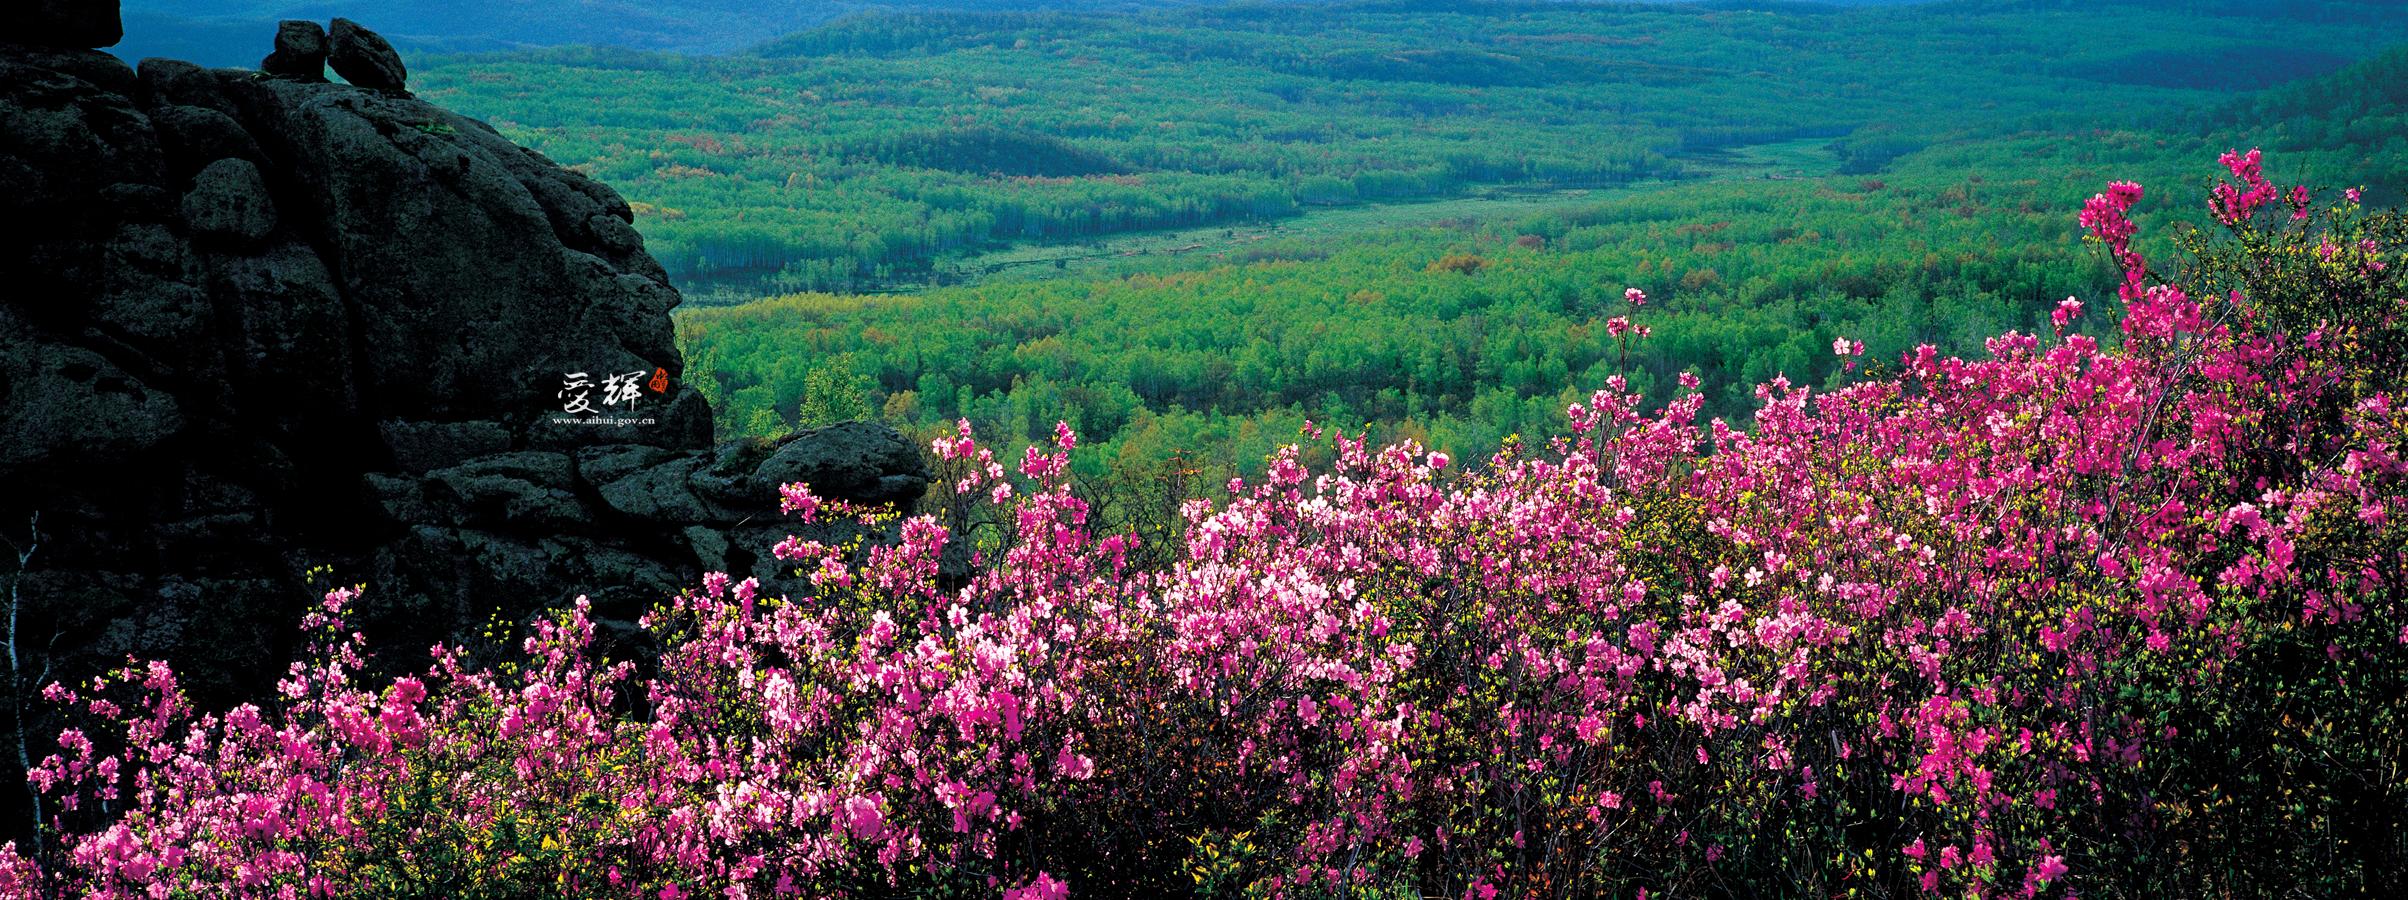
(2110, 611)
(498, 785)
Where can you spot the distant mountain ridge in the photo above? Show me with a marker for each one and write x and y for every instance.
(236, 32)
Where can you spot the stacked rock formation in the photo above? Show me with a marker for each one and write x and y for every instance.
(300, 52)
(256, 326)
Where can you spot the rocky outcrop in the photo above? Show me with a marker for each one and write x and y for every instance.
(266, 334)
(363, 57)
(300, 52)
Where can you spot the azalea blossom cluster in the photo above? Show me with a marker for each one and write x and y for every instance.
(1957, 631)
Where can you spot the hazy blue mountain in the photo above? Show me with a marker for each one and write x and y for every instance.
(238, 32)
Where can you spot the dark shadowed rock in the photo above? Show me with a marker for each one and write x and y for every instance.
(229, 202)
(710, 547)
(163, 82)
(401, 500)
(300, 52)
(606, 463)
(252, 328)
(863, 461)
(192, 137)
(138, 202)
(426, 446)
(76, 24)
(290, 359)
(727, 476)
(68, 130)
(659, 493)
(527, 490)
(363, 57)
(63, 403)
(468, 299)
(147, 297)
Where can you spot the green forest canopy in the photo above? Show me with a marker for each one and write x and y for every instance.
(871, 151)
(880, 150)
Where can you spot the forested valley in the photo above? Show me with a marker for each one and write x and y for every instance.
(1773, 176)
